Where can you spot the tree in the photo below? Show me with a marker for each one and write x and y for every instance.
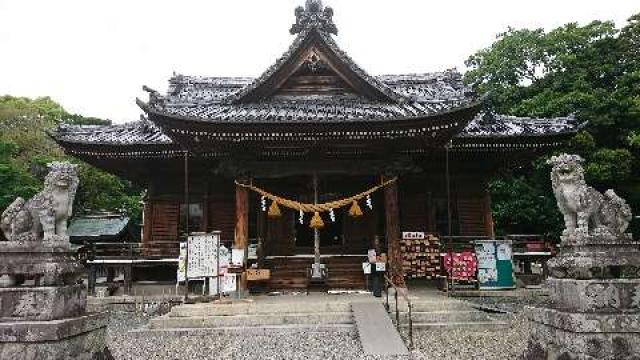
(25, 150)
(592, 71)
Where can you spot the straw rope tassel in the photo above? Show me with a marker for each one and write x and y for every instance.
(297, 206)
(355, 210)
(316, 221)
(274, 210)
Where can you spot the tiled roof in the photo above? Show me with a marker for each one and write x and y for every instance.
(482, 127)
(141, 132)
(97, 226)
(494, 125)
(206, 99)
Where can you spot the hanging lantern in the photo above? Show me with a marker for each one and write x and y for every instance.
(332, 215)
(355, 210)
(369, 202)
(263, 203)
(274, 210)
(301, 217)
(316, 221)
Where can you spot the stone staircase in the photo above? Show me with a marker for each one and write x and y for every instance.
(443, 312)
(290, 273)
(242, 315)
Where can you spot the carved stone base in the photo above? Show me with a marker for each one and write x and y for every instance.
(559, 335)
(597, 257)
(48, 264)
(81, 338)
(620, 296)
(42, 303)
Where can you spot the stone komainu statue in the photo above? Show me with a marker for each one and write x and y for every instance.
(44, 217)
(585, 210)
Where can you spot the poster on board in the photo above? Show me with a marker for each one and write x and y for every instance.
(495, 264)
(202, 255)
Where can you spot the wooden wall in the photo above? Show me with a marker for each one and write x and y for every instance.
(422, 198)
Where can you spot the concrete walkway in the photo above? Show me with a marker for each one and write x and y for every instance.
(377, 333)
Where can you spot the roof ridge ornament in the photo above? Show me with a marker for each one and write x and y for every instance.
(314, 15)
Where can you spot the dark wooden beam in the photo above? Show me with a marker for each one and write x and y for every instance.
(392, 229)
(241, 236)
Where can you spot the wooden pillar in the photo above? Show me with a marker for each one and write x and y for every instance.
(147, 224)
(488, 215)
(260, 234)
(241, 236)
(392, 230)
(205, 209)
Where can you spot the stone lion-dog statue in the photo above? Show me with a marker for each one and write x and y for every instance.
(586, 211)
(44, 217)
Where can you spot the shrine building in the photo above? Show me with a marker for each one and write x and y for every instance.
(315, 128)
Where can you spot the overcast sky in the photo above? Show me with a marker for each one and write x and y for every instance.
(94, 56)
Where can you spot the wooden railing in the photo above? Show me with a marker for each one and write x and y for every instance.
(405, 294)
(110, 257)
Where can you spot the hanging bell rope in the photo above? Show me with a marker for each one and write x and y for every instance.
(314, 208)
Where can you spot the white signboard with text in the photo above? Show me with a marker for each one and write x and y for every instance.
(202, 255)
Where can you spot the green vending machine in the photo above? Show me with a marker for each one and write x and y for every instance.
(495, 264)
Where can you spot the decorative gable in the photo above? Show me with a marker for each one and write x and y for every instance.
(314, 75)
(315, 65)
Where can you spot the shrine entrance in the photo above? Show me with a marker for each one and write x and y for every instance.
(331, 237)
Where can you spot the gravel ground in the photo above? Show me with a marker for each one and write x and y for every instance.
(462, 344)
(454, 344)
(298, 344)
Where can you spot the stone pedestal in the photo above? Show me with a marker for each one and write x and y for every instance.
(46, 319)
(595, 311)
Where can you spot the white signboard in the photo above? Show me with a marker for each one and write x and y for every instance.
(237, 257)
(202, 259)
(413, 235)
(486, 261)
(182, 262)
(366, 267)
(380, 267)
(225, 259)
(504, 250)
(227, 284)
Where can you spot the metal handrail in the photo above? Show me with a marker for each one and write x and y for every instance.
(405, 295)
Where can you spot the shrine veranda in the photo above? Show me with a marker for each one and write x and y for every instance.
(314, 114)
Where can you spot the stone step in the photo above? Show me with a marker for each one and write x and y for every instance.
(448, 316)
(432, 306)
(245, 330)
(222, 321)
(298, 307)
(479, 325)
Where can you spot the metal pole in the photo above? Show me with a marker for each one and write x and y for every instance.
(448, 184)
(316, 232)
(410, 328)
(186, 201)
(395, 295)
(218, 270)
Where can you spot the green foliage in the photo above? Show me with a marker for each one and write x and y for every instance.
(523, 208)
(14, 181)
(592, 71)
(609, 167)
(25, 150)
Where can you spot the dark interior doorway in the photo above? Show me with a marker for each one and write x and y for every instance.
(330, 236)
